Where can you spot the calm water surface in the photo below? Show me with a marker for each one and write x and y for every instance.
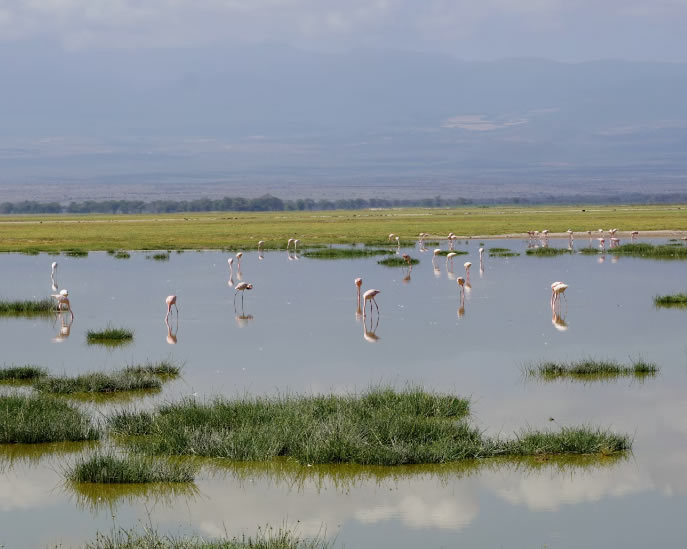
(298, 332)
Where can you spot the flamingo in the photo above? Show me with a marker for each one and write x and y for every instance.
(171, 300)
(602, 243)
(241, 287)
(295, 245)
(239, 255)
(63, 299)
(461, 309)
(289, 242)
(634, 234)
(261, 245)
(449, 257)
(437, 251)
(553, 292)
(467, 266)
(557, 290)
(369, 295)
(358, 283)
(391, 236)
(407, 259)
(230, 261)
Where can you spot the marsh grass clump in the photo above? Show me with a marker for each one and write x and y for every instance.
(164, 256)
(25, 374)
(162, 368)
(32, 419)
(121, 255)
(98, 382)
(76, 253)
(27, 307)
(547, 252)
(397, 262)
(590, 251)
(590, 369)
(381, 427)
(345, 253)
(502, 252)
(568, 440)
(457, 252)
(649, 251)
(266, 538)
(112, 469)
(109, 336)
(674, 300)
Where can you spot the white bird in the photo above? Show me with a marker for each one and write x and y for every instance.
(241, 287)
(369, 295)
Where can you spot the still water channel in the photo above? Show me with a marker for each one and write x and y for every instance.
(298, 332)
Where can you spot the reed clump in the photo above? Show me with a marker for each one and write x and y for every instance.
(98, 382)
(397, 262)
(129, 469)
(674, 300)
(381, 427)
(266, 538)
(27, 307)
(649, 251)
(76, 253)
(32, 419)
(25, 373)
(547, 252)
(590, 251)
(502, 252)
(121, 255)
(457, 252)
(159, 256)
(110, 336)
(161, 368)
(590, 369)
(345, 253)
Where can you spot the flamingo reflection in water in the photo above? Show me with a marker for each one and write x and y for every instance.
(52, 276)
(358, 283)
(461, 285)
(243, 320)
(172, 334)
(370, 333)
(65, 327)
(557, 294)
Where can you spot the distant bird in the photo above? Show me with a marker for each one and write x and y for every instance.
(369, 295)
(239, 255)
(295, 245)
(289, 242)
(261, 245)
(467, 266)
(358, 283)
(54, 268)
(449, 257)
(461, 308)
(481, 251)
(241, 287)
(602, 243)
(63, 299)
(437, 251)
(558, 290)
(391, 236)
(461, 282)
(633, 235)
(230, 261)
(171, 300)
(408, 260)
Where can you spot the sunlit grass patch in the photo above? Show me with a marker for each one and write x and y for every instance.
(547, 252)
(38, 418)
(397, 262)
(129, 469)
(27, 307)
(21, 373)
(565, 441)
(97, 382)
(345, 253)
(163, 368)
(590, 369)
(110, 336)
(674, 300)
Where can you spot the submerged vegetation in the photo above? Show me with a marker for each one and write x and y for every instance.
(547, 252)
(502, 252)
(112, 469)
(110, 336)
(345, 253)
(589, 369)
(27, 307)
(37, 418)
(76, 253)
(397, 262)
(98, 382)
(674, 300)
(381, 427)
(121, 255)
(21, 373)
(163, 256)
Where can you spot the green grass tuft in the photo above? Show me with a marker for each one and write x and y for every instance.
(37, 418)
(76, 253)
(397, 262)
(674, 300)
(21, 373)
(97, 382)
(162, 368)
(121, 255)
(110, 336)
(650, 251)
(589, 369)
(457, 252)
(345, 253)
(159, 257)
(502, 252)
(547, 252)
(590, 251)
(381, 427)
(568, 440)
(112, 469)
(28, 307)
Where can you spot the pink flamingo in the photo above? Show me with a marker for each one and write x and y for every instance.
(633, 235)
(63, 299)
(171, 300)
(261, 245)
(449, 257)
(239, 255)
(391, 236)
(602, 243)
(369, 295)
(407, 259)
(557, 290)
(461, 284)
(289, 242)
(295, 245)
(436, 252)
(467, 266)
(358, 284)
(241, 287)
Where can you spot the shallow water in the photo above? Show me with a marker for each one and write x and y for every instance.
(298, 332)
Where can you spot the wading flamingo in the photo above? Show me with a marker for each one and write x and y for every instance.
(407, 259)
(369, 295)
(461, 308)
(63, 299)
(241, 287)
(633, 235)
(391, 236)
(358, 283)
(449, 257)
(467, 266)
(295, 245)
(239, 255)
(171, 300)
(54, 268)
(437, 251)
(289, 242)
(261, 245)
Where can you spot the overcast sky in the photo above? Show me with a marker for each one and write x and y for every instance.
(565, 30)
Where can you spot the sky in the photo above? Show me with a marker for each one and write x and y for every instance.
(563, 30)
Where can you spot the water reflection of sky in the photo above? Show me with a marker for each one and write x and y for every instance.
(299, 332)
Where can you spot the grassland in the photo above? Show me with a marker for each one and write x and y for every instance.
(112, 469)
(381, 427)
(109, 336)
(674, 300)
(589, 369)
(243, 230)
(27, 307)
(36, 418)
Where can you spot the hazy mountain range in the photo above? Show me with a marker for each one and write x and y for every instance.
(257, 116)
